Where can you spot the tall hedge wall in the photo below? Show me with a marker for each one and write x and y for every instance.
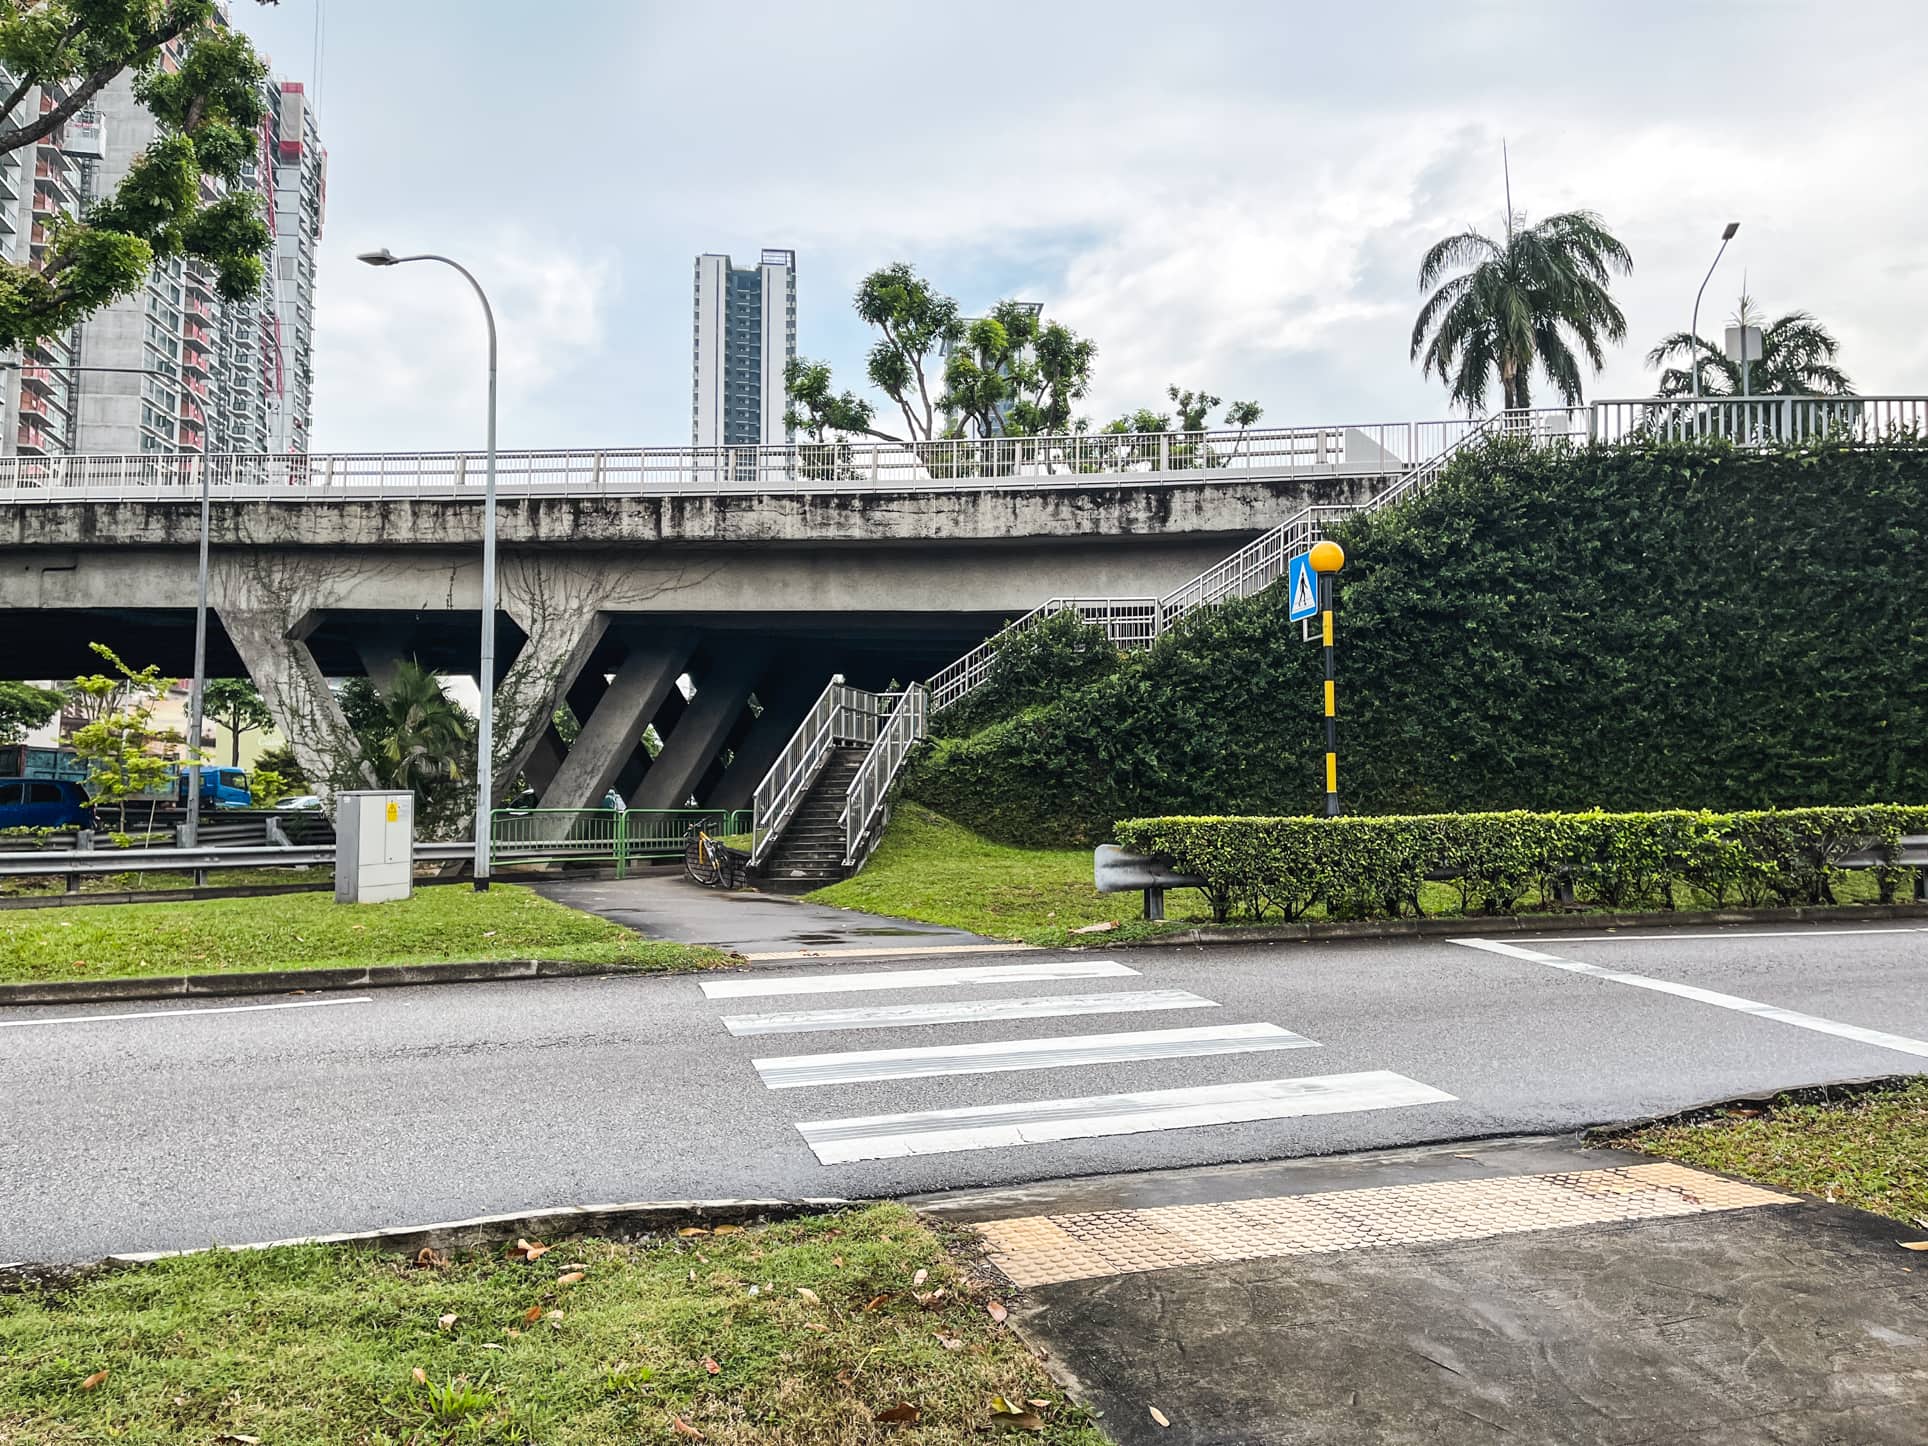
(1627, 628)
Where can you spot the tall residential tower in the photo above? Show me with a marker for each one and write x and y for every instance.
(744, 336)
(172, 368)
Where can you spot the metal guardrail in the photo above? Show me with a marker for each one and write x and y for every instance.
(601, 835)
(840, 466)
(866, 800)
(841, 716)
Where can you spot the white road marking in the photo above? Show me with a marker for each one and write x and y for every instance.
(964, 1011)
(1815, 1022)
(1662, 936)
(932, 1132)
(752, 987)
(185, 1013)
(792, 1071)
(889, 951)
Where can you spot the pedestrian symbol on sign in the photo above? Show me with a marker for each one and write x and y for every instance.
(1303, 589)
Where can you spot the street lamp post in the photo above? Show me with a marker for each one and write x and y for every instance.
(485, 680)
(1327, 558)
(1693, 332)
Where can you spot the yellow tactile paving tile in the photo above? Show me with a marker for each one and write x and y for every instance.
(1046, 1249)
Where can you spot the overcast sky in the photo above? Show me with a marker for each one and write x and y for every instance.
(1232, 196)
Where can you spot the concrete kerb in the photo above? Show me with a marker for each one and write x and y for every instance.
(626, 1220)
(283, 981)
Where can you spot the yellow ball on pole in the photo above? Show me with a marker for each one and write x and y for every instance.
(1327, 556)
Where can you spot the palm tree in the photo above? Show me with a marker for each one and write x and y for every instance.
(1531, 298)
(1796, 360)
(425, 738)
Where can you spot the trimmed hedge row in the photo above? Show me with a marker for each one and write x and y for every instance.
(1373, 867)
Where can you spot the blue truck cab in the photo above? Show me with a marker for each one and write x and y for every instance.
(220, 788)
(44, 803)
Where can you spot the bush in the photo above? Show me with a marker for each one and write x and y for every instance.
(1649, 627)
(1373, 867)
(1028, 668)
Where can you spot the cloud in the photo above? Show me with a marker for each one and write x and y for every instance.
(403, 351)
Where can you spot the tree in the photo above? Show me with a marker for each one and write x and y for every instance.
(914, 321)
(416, 739)
(234, 703)
(1192, 407)
(206, 102)
(282, 764)
(1797, 359)
(1530, 299)
(1015, 375)
(1243, 415)
(815, 409)
(127, 757)
(24, 707)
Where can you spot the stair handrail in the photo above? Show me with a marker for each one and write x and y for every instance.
(865, 801)
(841, 714)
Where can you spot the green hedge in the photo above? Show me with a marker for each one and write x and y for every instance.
(1373, 867)
(1667, 626)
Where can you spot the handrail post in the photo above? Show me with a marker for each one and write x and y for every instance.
(621, 832)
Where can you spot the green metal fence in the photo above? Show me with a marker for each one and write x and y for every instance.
(603, 835)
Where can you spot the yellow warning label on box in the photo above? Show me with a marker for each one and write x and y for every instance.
(394, 812)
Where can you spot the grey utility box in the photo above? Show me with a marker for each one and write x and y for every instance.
(374, 846)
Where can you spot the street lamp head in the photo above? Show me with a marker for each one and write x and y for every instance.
(383, 257)
(1727, 235)
(1327, 556)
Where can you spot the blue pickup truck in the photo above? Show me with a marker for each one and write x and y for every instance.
(44, 803)
(220, 788)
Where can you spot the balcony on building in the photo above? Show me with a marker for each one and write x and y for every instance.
(31, 439)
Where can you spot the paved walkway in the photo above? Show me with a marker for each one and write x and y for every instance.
(773, 927)
(1514, 1291)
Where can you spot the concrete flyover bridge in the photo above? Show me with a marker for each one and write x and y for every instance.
(707, 592)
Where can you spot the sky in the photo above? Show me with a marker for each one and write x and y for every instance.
(1228, 196)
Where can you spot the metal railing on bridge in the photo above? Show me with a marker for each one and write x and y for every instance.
(860, 465)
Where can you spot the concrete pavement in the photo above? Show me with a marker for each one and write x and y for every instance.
(194, 1124)
(1514, 1291)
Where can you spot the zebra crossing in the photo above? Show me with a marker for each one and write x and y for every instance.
(1025, 1119)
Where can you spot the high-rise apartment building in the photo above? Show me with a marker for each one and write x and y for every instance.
(172, 368)
(744, 337)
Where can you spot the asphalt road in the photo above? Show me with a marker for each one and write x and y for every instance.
(168, 1126)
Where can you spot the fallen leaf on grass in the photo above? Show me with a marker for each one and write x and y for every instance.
(1040, 1402)
(420, 1375)
(1014, 1418)
(1158, 1416)
(93, 1380)
(903, 1413)
(492, 1346)
(815, 1325)
(948, 1341)
(447, 1322)
(1104, 927)
(996, 1311)
(689, 1231)
(837, 1260)
(727, 1230)
(683, 1428)
(808, 1296)
(428, 1259)
(710, 1365)
(533, 1313)
(1913, 1244)
(875, 1301)
(236, 1435)
(921, 1276)
(570, 1279)
(530, 1252)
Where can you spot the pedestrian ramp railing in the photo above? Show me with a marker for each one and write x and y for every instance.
(618, 836)
(842, 717)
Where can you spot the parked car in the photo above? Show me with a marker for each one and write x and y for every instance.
(302, 802)
(44, 803)
(527, 801)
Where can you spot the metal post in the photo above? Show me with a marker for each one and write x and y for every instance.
(196, 701)
(1693, 331)
(1329, 586)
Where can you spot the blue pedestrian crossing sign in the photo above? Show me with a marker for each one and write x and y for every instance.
(1302, 589)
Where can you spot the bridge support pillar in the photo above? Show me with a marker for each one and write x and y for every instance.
(380, 662)
(546, 757)
(786, 693)
(562, 620)
(305, 711)
(612, 731)
(722, 692)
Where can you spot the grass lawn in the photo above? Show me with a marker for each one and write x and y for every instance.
(932, 869)
(1869, 1151)
(296, 931)
(799, 1332)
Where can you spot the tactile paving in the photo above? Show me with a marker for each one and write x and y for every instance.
(1046, 1249)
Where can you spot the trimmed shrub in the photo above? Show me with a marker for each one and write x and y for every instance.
(1373, 867)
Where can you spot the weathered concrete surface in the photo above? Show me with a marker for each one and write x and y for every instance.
(1791, 1324)
(1214, 503)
